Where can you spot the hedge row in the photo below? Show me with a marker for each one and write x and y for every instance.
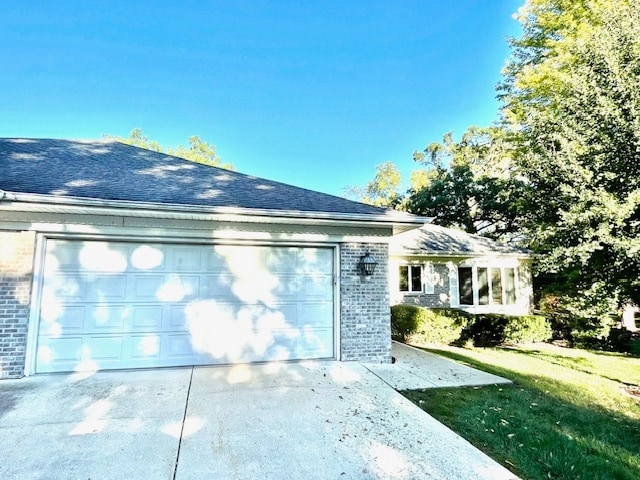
(414, 324)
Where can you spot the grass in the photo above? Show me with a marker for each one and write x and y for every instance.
(568, 415)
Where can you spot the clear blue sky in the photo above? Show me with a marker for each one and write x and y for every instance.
(310, 93)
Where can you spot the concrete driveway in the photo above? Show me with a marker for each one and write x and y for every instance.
(308, 420)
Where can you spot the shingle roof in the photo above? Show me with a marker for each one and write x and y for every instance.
(433, 239)
(110, 170)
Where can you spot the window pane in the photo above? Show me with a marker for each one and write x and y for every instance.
(416, 279)
(483, 287)
(510, 285)
(403, 276)
(496, 286)
(465, 286)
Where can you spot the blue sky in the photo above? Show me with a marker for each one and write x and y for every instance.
(310, 93)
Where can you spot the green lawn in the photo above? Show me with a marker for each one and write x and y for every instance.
(568, 415)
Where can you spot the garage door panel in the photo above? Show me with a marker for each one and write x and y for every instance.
(317, 288)
(186, 259)
(315, 343)
(219, 286)
(104, 318)
(144, 347)
(314, 315)
(301, 287)
(178, 346)
(65, 288)
(66, 320)
(146, 317)
(105, 288)
(216, 261)
(170, 305)
(147, 258)
(146, 288)
(99, 348)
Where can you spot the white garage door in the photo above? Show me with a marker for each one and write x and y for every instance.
(108, 305)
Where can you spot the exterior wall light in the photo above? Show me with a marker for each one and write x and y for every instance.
(367, 264)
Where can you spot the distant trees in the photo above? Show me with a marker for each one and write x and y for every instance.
(198, 150)
(561, 171)
(469, 184)
(571, 98)
(383, 190)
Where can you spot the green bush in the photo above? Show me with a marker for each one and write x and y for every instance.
(414, 324)
(527, 329)
(496, 329)
(573, 321)
(405, 320)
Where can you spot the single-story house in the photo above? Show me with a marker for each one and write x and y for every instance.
(433, 266)
(113, 256)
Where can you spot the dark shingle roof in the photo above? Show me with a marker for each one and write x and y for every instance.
(433, 239)
(110, 170)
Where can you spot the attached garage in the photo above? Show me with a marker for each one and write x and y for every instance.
(117, 257)
(113, 305)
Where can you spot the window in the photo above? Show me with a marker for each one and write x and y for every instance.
(510, 285)
(487, 285)
(465, 285)
(410, 278)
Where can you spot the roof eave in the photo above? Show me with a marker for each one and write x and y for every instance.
(49, 203)
(439, 253)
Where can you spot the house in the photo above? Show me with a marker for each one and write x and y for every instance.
(112, 256)
(433, 266)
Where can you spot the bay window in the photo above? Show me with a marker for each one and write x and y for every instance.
(487, 285)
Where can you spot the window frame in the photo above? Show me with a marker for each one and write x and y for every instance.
(409, 278)
(485, 284)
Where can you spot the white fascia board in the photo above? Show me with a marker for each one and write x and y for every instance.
(452, 254)
(48, 204)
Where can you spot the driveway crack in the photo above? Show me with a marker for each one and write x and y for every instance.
(184, 418)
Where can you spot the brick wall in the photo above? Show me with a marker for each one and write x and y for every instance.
(16, 273)
(364, 306)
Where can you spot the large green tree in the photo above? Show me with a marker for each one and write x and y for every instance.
(571, 97)
(469, 184)
(198, 150)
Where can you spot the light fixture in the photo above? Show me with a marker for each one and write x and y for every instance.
(367, 264)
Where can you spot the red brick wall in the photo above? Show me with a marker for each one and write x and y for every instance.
(16, 274)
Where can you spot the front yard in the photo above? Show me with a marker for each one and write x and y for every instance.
(570, 414)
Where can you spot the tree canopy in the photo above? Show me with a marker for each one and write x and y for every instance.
(198, 150)
(383, 190)
(560, 171)
(571, 97)
(469, 184)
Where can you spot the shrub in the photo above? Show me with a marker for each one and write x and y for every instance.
(575, 322)
(414, 324)
(495, 329)
(527, 329)
(405, 320)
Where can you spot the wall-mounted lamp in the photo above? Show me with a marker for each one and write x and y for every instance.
(367, 264)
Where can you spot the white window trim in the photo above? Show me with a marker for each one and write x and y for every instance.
(422, 278)
(476, 284)
(428, 278)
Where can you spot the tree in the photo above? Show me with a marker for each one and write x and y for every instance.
(383, 190)
(198, 150)
(571, 97)
(468, 184)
